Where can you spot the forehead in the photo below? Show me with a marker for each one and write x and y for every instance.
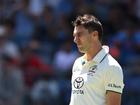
(79, 29)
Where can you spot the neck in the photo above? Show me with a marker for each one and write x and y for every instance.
(93, 52)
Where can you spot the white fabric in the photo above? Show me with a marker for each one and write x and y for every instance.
(91, 80)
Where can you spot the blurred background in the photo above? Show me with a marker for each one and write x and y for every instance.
(37, 50)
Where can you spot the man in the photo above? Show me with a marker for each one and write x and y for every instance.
(97, 78)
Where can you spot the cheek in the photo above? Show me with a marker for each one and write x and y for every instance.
(88, 42)
(77, 41)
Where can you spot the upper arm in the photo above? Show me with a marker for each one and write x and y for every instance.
(114, 80)
(113, 98)
(114, 85)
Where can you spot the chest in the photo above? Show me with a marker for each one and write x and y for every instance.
(88, 77)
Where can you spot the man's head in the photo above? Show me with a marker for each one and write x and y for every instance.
(87, 32)
(91, 23)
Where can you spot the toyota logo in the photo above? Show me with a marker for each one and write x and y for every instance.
(78, 82)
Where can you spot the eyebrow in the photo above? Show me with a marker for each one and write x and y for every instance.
(77, 33)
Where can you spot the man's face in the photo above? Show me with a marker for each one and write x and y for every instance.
(82, 38)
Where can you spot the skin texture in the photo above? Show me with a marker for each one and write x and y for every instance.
(89, 44)
(113, 98)
(82, 38)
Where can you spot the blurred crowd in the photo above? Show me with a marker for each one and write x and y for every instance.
(37, 50)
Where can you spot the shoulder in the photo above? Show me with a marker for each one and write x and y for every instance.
(112, 66)
(111, 62)
(113, 77)
(77, 64)
(78, 60)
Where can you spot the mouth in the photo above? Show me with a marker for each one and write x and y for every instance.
(79, 45)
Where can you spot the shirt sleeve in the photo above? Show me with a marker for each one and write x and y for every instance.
(114, 79)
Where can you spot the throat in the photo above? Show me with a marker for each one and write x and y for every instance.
(91, 54)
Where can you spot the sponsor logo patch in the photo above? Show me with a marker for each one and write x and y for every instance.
(113, 85)
(92, 70)
(78, 84)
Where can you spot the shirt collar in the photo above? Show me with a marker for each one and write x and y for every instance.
(99, 57)
(101, 54)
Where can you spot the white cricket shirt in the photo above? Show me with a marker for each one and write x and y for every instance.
(91, 79)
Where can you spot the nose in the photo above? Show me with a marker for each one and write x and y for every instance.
(75, 39)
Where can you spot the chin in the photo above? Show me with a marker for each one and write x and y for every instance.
(81, 51)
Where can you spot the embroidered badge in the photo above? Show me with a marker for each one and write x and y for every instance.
(92, 70)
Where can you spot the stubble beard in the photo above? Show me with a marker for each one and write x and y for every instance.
(82, 50)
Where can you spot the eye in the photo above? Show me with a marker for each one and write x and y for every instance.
(79, 35)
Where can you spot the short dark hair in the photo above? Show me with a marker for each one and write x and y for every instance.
(91, 23)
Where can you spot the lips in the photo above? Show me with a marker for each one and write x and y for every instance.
(79, 46)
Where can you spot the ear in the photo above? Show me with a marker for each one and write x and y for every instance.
(95, 35)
